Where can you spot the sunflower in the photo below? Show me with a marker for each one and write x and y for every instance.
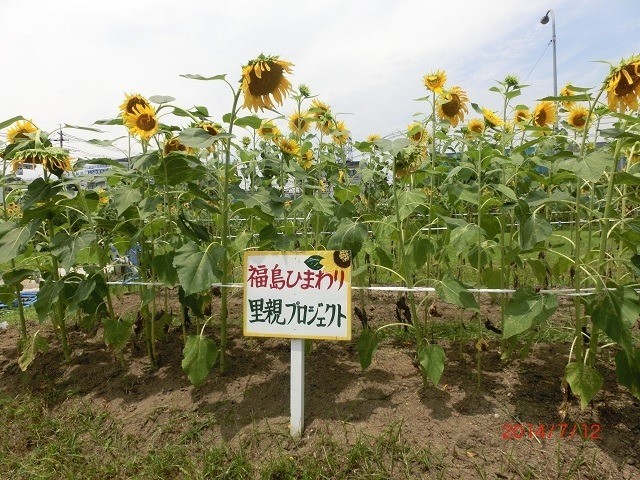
(451, 105)
(408, 160)
(131, 102)
(521, 116)
(263, 81)
(373, 137)
(306, 159)
(268, 130)
(20, 131)
(299, 122)
(211, 128)
(246, 141)
(53, 159)
(335, 261)
(435, 81)
(492, 120)
(577, 117)
(416, 133)
(623, 85)
(567, 92)
(321, 114)
(142, 123)
(340, 134)
(174, 145)
(544, 114)
(475, 126)
(288, 146)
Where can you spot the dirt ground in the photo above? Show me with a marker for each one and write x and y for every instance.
(462, 422)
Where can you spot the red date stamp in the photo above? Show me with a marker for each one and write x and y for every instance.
(518, 431)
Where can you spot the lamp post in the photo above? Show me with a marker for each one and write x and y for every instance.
(544, 20)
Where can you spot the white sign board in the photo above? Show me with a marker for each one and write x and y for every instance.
(298, 294)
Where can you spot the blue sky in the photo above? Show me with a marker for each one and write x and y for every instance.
(72, 61)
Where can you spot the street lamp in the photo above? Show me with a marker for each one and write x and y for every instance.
(544, 20)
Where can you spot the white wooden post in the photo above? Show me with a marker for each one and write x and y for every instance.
(297, 387)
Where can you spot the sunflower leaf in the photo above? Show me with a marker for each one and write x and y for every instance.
(110, 121)
(195, 76)
(160, 99)
(200, 354)
(6, 123)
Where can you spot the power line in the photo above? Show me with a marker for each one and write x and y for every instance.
(538, 61)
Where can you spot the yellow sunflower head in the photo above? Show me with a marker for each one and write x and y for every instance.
(373, 137)
(288, 146)
(416, 133)
(435, 81)
(306, 159)
(452, 105)
(522, 116)
(131, 102)
(268, 130)
(492, 120)
(264, 81)
(567, 92)
(212, 128)
(174, 145)
(544, 114)
(20, 131)
(54, 160)
(408, 160)
(340, 134)
(299, 122)
(321, 114)
(142, 123)
(577, 117)
(623, 85)
(475, 126)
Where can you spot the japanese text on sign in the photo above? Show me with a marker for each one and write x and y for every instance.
(298, 294)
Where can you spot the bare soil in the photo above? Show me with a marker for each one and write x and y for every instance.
(465, 424)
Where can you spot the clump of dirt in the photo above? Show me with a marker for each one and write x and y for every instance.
(473, 425)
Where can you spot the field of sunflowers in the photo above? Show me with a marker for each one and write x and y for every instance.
(532, 202)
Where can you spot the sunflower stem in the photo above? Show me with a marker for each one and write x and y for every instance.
(224, 307)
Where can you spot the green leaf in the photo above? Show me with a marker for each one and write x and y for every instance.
(200, 355)
(6, 123)
(628, 370)
(367, 344)
(615, 311)
(37, 191)
(195, 76)
(624, 178)
(452, 291)
(585, 381)
(463, 238)
(250, 121)
(349, 236)
(125, 197)
(13, 239)
(200, 138)
(164, 268)
(197, 269)
(117, 333)
(36, 343)
(432, 360)
(14, 277)
(533, 228)
(160, 99)
(47, 297)
(410, 200)
(67, 247)
(591, 168)
(176, 168)
(526, 308)
(314, 262)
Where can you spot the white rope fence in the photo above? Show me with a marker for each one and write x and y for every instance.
(561, 292)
